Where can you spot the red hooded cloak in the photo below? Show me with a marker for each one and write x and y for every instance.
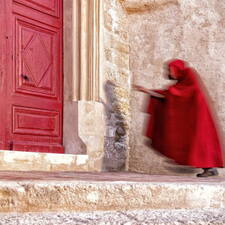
(181, 125)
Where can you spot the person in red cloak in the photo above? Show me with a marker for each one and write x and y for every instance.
(181, 124)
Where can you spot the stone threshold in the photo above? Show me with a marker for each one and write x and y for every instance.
(35, 161)
(79, 192)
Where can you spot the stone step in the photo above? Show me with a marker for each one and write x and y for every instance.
(135, 217)
(70, 191)
(36, 161)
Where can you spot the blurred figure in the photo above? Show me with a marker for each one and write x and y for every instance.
(181, 125)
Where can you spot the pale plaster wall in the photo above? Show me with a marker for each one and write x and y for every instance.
(192, 30)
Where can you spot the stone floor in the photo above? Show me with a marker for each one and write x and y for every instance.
(136, 217)
(104, 176)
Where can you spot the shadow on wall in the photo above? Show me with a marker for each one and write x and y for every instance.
(115, 147)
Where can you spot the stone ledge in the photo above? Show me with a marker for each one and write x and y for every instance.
(52, 192)
(35, 161)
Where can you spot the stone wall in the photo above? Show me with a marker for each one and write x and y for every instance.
(103, 124)
(71, 141)
(192, 30)
(116, 81)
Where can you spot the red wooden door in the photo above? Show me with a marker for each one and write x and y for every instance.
(3, 58)
(34, 75)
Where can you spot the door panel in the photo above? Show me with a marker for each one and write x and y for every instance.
(50, 7)
(35, 121)
(34, 71)
(36, 60)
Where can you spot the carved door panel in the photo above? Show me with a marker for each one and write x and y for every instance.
(34, 71)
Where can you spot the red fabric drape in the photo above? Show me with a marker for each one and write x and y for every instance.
(181, 125)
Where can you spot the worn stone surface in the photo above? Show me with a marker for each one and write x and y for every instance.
(116, 82)
(138, 217)
(91, 129)
(57, 192)
(161, 30)
(33, 161)
(136, 6)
